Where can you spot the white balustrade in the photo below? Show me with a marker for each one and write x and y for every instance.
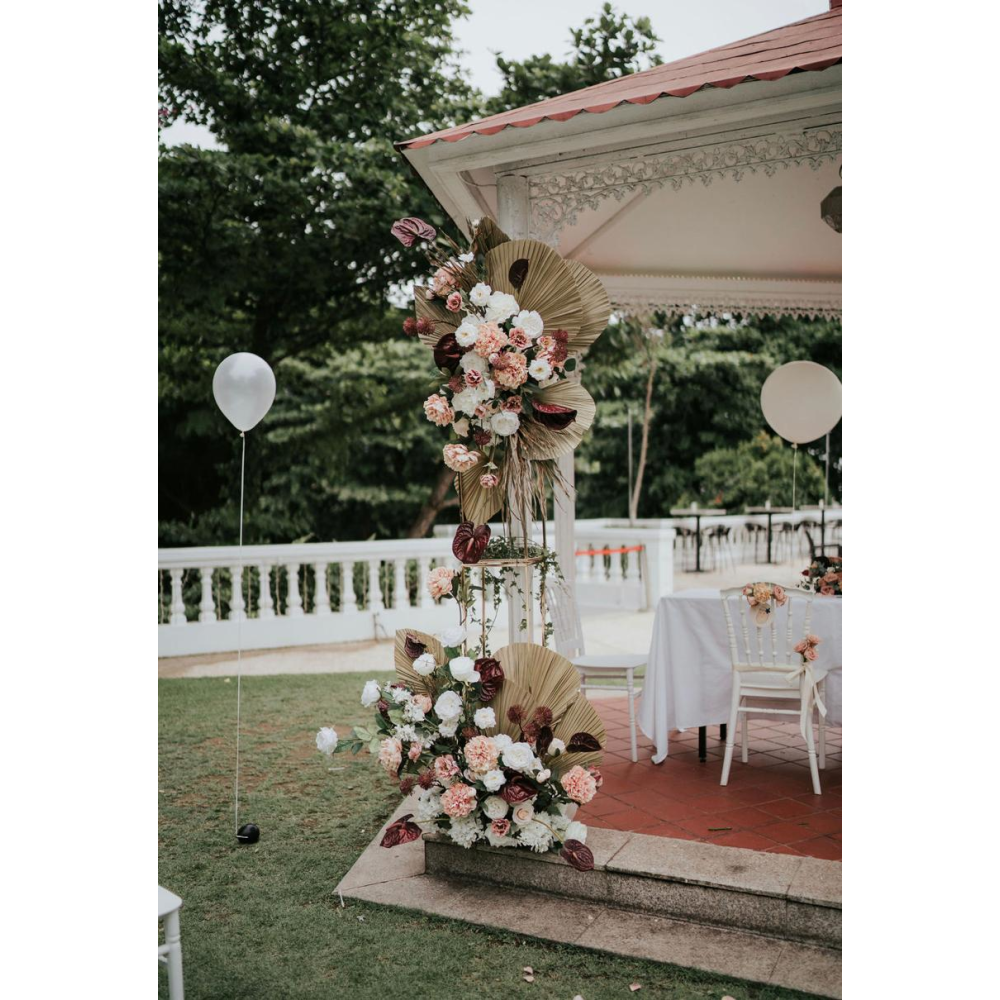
(400, 586)
(236, 605)
(348, 600)
(178, 615)
(375, 602)
(294, 597)
(266, 602)
(206, 610)
(321, 605)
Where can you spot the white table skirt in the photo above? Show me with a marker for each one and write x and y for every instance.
(689, 679)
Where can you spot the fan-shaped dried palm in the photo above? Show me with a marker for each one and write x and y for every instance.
(433, 309)
(487, 235)
(479, 504)
(509, 695)
(596, 307)
(548, 678)
(580, 717)
(547, 287)
(541, 442)
(404, 662)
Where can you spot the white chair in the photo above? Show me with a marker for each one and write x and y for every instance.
(170, 950)
(567, 633)
(768, 667)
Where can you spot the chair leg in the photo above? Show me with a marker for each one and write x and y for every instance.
(175, 972)
(811, 746)
(746, 737)
(727, 761)
(822, 727)
(630, 682)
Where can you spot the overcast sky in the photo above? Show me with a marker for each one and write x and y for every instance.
(521, 28)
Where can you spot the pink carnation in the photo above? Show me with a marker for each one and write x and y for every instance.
(415, 749)
(489, 480)
(490, 340)
(481, 753)
(518, 338)
(779, 595)
(500, 827)
(438, 411)
(439, 581)
(458, 458)
(810, 653)
(511, 370)
(444, 281)
(423, 702)
(473, 378)
(579, 784)
(445, 767)
(512, 404)
(459, 800)
(454, 302)
(390, 754)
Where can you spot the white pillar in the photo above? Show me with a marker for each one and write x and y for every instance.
(564, 501)
(400, 589)
(178, 616)
(321, 605)
(424, 598)
(206, 610)
(375, 601)
(294, 597)
(348, 602)
(236, 604)
(659, 544)
(266, 605)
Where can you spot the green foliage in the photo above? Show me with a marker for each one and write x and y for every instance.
(606, 47)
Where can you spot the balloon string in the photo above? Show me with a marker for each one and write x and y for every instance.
(795, 457)
(239, 638)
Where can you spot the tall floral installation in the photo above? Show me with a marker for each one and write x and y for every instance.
(499, 748)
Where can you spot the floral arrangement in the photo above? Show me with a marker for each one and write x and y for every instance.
(807, 647)
(488, 757)
(505, 320)
(761, 597)
(825, 575)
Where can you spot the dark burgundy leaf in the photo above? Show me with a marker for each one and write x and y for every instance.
(470, 542)
(401, 832)
(414, 648)
(490, 678)
(553, 416)
(582, 742)
(518, 789)
(407, 231)
(544, 739)
(518, 272)
(580, 856)
(447, 353)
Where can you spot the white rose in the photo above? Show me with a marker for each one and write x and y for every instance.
(556, 746)
(449, 706)
(543, 775)
(371, 694)
(463, 668)
(448, 729)
(495, 807)
(453, 636)
(539, 369)
(486, 389)
(480, 294)
(473, 360)
(425, 664)
(576, 831)
(501, 306)
(485, 718)
(524, 812)
(501, 741)
(519, 756)
(461, 427)
(505, 423)
(530, 322)
(466, 401)
(467, 332)
(326, 740)
(493, 780)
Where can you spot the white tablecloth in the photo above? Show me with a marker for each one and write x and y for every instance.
(689, 673)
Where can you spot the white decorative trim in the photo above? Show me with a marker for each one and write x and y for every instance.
(644, 293)
(558, 197)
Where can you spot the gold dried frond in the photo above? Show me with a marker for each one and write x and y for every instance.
(478, 503)
(595, 305)
(580, 717)
(548, 678)
(541, 442)
(404, 665)
(432, 309)
(510, 694)
(487, 235)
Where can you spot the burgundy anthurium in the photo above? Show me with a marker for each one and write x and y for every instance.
(578, 855)
(411, 229)
(447, 353)
(470, 542)
(582, 743)
(518, 789)
(401, 832)
(414, 648)
(490, 678)
(553, 416)
(543, 740)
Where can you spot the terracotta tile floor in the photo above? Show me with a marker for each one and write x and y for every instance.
(768, 804)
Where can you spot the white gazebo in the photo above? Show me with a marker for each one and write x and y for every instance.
(693, 185)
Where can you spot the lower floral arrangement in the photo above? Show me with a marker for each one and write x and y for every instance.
(500, 749)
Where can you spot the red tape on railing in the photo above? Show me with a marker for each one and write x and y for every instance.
(609, 552)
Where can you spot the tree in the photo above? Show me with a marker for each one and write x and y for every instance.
(606, 47)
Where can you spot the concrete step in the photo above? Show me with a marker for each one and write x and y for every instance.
(780, 896)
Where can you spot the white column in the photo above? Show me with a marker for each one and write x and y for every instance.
(632, 566)
(564, 501)
(615, 559)
(424, 598)
(322, 602)
(237, 606)
(659, 544)
(348, 602)
(206, 610)
(400, 590)
(178, 616)
(375, 601)
(266, 607)
(294, 597)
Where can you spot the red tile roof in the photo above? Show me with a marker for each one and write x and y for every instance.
(812, 44)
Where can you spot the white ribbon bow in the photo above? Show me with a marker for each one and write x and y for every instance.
(792, 679)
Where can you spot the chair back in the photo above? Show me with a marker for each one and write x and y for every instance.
(770, 646)
(567, 629)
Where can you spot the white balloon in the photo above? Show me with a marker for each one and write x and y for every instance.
(801, 401)
(244, 388)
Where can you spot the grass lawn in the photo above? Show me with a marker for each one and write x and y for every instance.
(263, 922)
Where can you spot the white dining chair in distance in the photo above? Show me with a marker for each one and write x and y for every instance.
(766, 668)
(567, 634)
(170, 950)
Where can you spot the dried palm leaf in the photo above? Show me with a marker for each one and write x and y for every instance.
(548, 285)
(541, 442)
(580, 717)
(432, 309)
(596, 307)
(509, 695)
(404, 663)
(548, 678)
(487, 236)
(479, 504)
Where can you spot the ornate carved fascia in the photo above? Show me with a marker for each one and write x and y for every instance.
(642, 294)
(558, 197)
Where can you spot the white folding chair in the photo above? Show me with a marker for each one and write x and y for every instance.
(567, 633)
(767, 667)
(170, 950)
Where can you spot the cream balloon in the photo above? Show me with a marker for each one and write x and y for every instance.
(801, 401)
(244, 388)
